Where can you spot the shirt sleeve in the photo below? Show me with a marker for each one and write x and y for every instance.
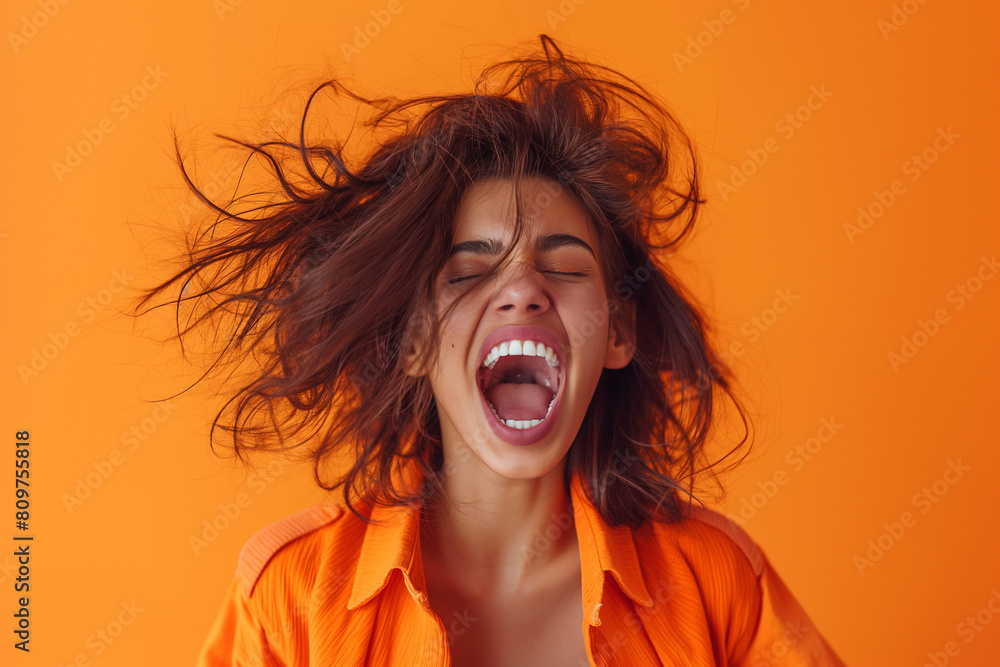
(785, 636)
(237, 638)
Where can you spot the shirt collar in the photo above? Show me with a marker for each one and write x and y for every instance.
(605, 549)
(394, 543)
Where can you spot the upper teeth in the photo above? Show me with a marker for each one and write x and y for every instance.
(527, 348)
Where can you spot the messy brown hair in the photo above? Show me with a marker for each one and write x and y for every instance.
(325, 284)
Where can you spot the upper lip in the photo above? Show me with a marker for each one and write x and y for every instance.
(520, 332)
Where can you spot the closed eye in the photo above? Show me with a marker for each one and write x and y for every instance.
(462, 279)
(572, 274)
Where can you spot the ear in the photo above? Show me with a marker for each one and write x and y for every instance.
(410, 365)
(412, 360)
(621, 338)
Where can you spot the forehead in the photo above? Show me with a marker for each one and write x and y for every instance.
(488, 211)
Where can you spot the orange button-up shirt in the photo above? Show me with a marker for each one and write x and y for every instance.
(322, 588)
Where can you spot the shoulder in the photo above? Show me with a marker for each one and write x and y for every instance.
(292, 545)
(717, 567)
(747, 599)
(708, 544)
(727, 533)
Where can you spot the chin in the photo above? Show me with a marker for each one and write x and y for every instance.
(522, 465)
(521, 461)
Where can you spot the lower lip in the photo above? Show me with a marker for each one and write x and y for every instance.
(524, 436)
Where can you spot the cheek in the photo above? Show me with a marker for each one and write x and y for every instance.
(453, 325)
(457, 324)
(588, 322)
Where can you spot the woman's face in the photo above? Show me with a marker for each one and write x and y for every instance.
(520, 355)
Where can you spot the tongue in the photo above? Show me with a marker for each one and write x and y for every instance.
(522, 402)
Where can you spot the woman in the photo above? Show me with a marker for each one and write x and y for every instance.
(472, 329)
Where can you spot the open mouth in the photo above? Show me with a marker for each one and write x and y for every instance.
(520, 380)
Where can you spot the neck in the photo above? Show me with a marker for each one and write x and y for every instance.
(493, 536)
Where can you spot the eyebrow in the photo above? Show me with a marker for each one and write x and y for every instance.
(544, 244)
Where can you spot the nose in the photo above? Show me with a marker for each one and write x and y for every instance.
(522, 293)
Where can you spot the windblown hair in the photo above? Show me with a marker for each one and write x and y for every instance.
(329, 285)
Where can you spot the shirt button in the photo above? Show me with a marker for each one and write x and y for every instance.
(597, 614)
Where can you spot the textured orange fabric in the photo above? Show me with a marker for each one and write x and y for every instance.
(324, 588)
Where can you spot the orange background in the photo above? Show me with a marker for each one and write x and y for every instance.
(63, 237)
